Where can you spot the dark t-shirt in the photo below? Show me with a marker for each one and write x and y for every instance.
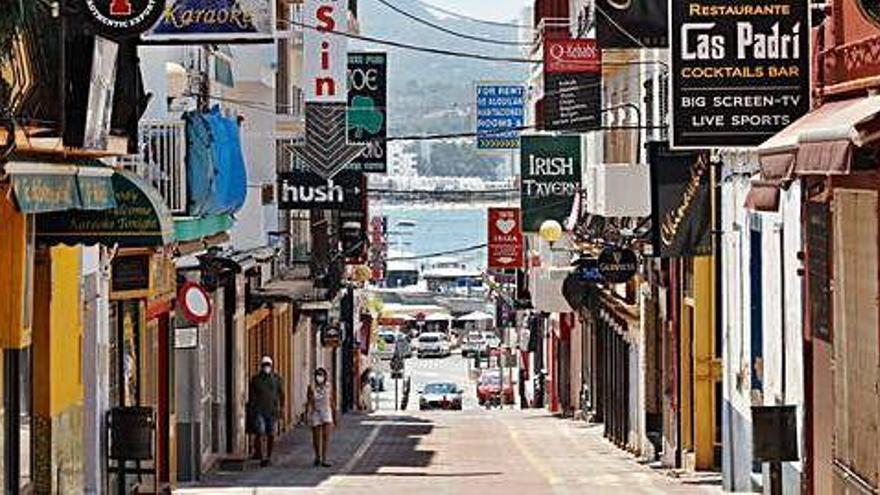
(265, 393)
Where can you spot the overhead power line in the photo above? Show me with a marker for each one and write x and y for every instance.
(473, 19)
(440, 254)
(407, 46)
(450, 31)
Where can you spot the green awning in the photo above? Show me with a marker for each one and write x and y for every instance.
(194, 229)
(44, 187)
(138, 219)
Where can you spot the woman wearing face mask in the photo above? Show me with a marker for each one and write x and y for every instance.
(321, 407)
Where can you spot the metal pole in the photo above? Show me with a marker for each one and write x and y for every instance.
(776, 478)
(396, 383)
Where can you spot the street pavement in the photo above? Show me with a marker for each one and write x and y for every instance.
(475, 451)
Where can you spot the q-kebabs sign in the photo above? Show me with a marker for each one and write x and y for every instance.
(740, 70)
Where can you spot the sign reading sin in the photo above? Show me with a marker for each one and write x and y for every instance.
(120, 7)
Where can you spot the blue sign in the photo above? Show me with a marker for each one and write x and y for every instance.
(500, 115)
(196, 21)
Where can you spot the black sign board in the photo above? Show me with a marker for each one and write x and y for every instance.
(306, 190)
(681, 210)
(572, 102)
(367, 110)
(122, 18)
(632, 23)
(130, 273)
(618, 266)
(774, 434)
(354, 226)
(740, 70)
(818, 268)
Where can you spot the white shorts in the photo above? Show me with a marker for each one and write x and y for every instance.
(319, 418)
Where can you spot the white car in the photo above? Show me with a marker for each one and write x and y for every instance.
(492, 340)
(473, 344)
(433, 344)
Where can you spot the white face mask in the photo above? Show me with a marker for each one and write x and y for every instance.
(267, 369)
(320, 379)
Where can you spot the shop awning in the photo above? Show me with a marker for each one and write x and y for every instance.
(45, 187)
(820, 143)
(138, 219)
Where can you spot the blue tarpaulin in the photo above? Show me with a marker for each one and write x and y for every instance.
(216, 171)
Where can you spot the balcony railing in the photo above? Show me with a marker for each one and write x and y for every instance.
(161, 160)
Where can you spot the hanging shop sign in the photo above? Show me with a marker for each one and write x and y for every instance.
(505, 238)
(130, 273)
(195, 302)
(331, 335)
(632, 23)
(139, 219)
(618, 266)
(681, 199)
(571, 56)
(305, 190)
(500, 115)
(550, 178)
(326, 150)
(324, 51)
(740, 71)
(122, 18)
(198, 21)
(367, 110)
(572, 102)
(353, 229)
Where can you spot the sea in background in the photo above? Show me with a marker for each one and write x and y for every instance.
(438, 228)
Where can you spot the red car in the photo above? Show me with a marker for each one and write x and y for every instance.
(489, 386)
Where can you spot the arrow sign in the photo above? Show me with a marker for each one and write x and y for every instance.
(327, 150)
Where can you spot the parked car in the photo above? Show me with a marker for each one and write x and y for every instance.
(440, 395)
(390, 342)
(492, 340)
(489, 388)
(433, 344)
(474, 343)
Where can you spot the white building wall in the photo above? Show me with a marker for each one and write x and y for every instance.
(781, 306)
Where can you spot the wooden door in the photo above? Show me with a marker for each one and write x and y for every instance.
(855, 336)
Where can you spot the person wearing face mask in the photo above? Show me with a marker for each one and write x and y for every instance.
(321, 411)
(265, 401)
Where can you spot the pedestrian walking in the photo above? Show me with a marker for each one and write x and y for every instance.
(321, 410)
(265, 401)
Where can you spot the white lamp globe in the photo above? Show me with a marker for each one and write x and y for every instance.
(550, 231)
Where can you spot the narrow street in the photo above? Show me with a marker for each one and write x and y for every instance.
(475, 451)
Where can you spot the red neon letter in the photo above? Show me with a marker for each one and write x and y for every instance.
(325, 18)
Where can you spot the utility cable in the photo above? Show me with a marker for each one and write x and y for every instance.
(439, 254)
(474, 19)
(446, 30)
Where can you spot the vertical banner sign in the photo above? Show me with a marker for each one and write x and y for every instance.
(500, 115)
(681, 199)
(505, 238)
(354, 226)
(550, 178)
(632, 23)
(740, 70)
(367, 112)
(324, 52)
(572, 85)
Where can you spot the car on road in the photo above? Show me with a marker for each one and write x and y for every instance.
(433, 344)
(390, 342)
(440, 395)
(492, 340)
(489, 387)
(473, 344)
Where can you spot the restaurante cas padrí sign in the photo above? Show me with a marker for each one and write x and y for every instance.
(741, 71)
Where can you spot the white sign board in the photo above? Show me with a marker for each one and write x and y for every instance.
(325, 51)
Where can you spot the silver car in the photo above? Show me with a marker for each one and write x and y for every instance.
(440, 395)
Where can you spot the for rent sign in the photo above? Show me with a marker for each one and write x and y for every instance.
(551, 178)
(740, 70)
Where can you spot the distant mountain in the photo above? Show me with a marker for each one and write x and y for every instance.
(434, 93)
